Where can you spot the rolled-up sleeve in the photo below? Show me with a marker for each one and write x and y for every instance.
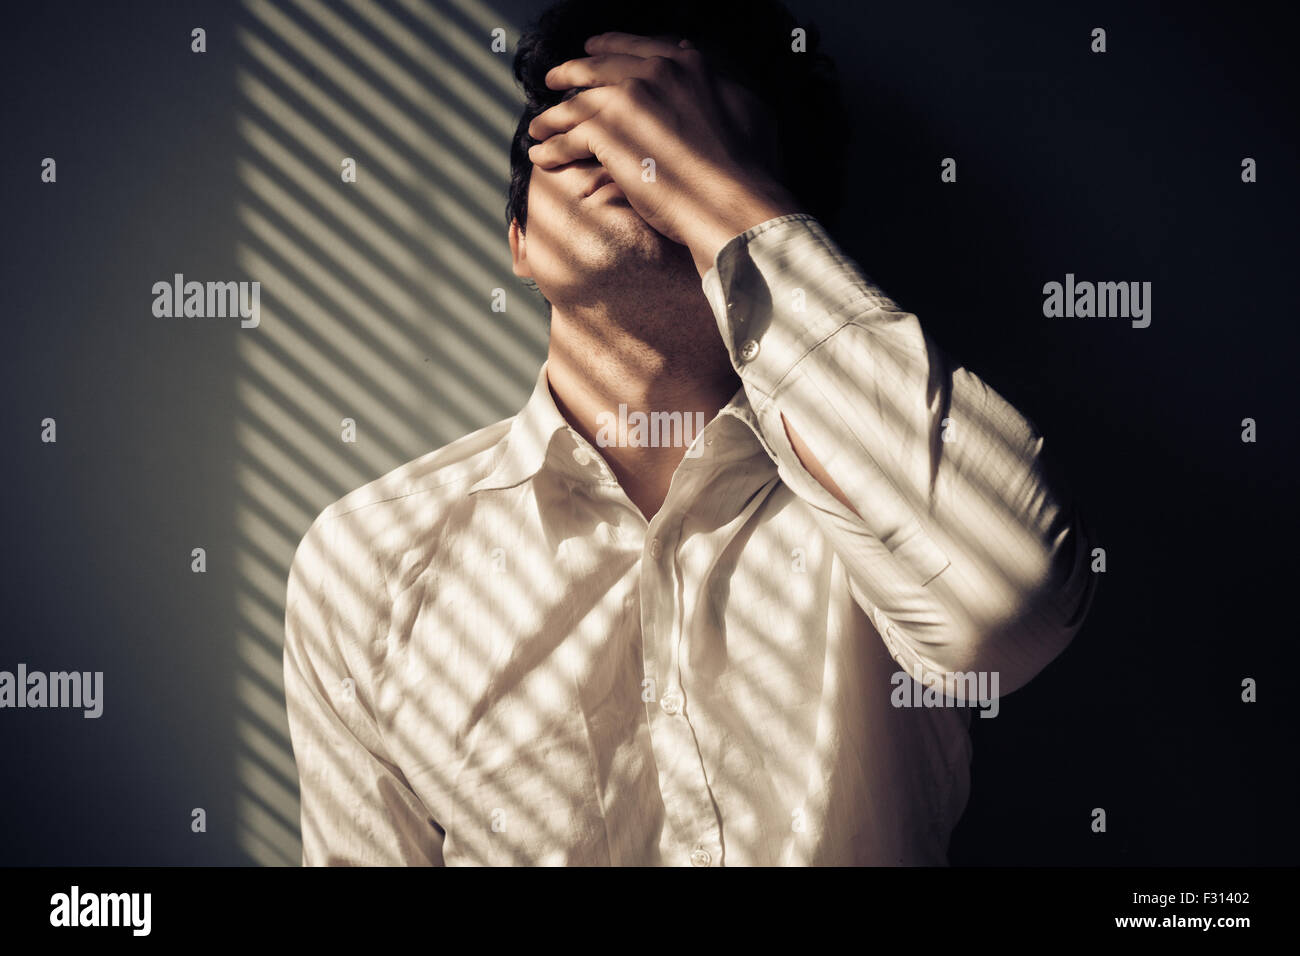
(357, 808)
(965, 552)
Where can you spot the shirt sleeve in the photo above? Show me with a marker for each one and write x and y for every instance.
(967, 554)
(357, 808)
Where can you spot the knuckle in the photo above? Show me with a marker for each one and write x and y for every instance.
(659, 67)
(635, 87)
(691, 58)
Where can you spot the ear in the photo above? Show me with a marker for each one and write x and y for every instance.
(519, 251)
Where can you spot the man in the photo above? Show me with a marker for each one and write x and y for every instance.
(594, 634)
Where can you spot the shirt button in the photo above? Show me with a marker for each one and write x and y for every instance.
(581, 457)
(671, 703)
(655, 548)
(749, 351)
(701, 857)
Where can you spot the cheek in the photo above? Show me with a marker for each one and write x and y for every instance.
(545, 195)
(546, 216)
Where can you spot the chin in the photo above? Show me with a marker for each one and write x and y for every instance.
(626, 236)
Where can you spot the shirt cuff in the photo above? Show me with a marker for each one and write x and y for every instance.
(776, 291)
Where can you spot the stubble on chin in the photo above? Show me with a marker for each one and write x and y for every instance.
(618, 238)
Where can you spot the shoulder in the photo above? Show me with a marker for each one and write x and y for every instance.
(369, 528)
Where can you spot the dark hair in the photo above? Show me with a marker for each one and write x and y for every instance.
(749, 40)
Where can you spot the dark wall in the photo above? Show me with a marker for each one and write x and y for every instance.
(1117, 166)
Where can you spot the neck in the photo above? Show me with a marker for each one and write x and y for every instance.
(594, 367)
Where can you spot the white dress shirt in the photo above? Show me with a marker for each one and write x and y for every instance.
(491, 657)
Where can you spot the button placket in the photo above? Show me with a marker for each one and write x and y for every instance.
(688, 802)
(671, 703)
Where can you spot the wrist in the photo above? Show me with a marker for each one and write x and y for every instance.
(735, 212)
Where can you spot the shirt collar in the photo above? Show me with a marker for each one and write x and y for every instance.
(539, 430)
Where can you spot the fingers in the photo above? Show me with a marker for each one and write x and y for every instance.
(632, 44)
(564, 116)
(613, 58)
(603, 70)
(560, 149)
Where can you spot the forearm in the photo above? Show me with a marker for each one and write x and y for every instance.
(931, 487)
